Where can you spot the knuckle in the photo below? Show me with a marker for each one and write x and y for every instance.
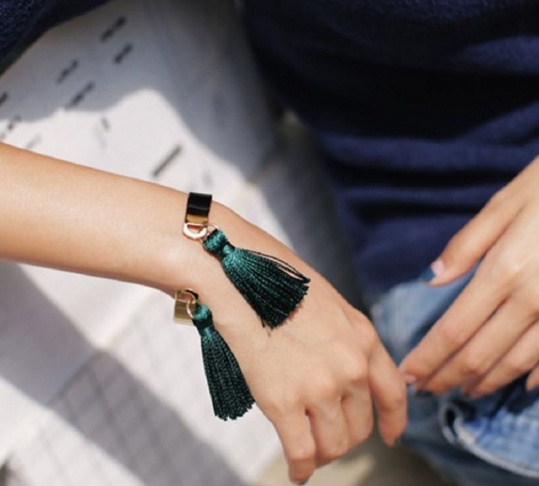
(355, 369)
(369, 336)
(365, 336)
(396, 400)
(450, 334)
(336, 451)
(326, 387)
(279, 403)
(507, 269)
(289, 401)
(301, 454)
(472, 365)
(341, 449)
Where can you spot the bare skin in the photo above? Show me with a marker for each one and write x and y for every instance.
(490, 335)
(317, 378)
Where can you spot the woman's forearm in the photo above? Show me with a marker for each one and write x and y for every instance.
(313, 376)
(70, 217)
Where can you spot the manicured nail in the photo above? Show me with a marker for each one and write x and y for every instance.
(435, 269)
(427, 275)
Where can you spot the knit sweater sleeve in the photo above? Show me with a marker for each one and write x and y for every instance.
(22, 23)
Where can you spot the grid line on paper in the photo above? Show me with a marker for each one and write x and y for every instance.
(110, 424)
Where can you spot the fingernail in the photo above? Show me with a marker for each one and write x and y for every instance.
(409, 379)
(435, 269)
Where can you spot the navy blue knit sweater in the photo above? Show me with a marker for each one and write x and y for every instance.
(23, 21)
(424, 108)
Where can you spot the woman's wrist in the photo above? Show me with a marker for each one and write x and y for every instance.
(74, 218)
(69, 217)
(181, 262)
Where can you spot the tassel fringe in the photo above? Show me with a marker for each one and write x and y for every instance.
(273, 288)
(230, 394)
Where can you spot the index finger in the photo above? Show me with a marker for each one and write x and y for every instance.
(470, 310)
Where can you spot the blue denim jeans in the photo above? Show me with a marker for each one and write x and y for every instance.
(491, 441)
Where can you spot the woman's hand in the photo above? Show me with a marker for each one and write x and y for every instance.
(490, 334)
(318, 375)
(315, 377)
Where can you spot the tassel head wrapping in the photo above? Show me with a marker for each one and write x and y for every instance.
(230, 394)
(272, 287)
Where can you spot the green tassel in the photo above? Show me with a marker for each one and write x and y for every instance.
(229, 391)
(273, 288)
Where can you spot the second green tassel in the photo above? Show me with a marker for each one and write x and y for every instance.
(229, 391)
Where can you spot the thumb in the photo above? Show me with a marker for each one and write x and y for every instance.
(473, 241)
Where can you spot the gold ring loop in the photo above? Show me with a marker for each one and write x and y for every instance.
(184, 299)
(195, 231)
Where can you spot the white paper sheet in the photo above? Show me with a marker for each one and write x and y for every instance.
(148, 89)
